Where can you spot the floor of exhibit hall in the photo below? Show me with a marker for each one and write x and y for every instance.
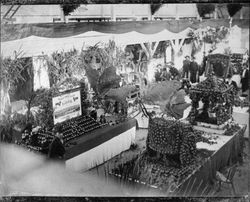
(34, 175)
(241, 177)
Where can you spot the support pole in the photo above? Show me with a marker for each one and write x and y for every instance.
(150, 52)
(241, 13)
(176, 11)
(113, 13)
(216, 11)
(149, 12)
(62, 16)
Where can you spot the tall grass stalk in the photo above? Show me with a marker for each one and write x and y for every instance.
(186, 190)
(204, 190)
(192, 185)
(197, 190)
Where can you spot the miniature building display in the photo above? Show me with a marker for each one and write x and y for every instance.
(217, 98)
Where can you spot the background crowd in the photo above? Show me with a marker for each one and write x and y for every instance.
(192, 72)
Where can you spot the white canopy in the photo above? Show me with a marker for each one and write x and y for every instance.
(137, 38)
(35, 46)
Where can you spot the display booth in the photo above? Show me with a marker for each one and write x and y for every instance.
(183, 155)
(88, 141)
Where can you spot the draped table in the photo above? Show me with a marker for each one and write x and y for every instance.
(227, 151)
(95, 148)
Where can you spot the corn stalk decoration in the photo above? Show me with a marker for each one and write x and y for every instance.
(63, 65)
(97, 64)
(101, 65)
(10, 75)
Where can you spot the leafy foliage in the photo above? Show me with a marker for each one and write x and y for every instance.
(93, 76)
(43, 99)
(96, 63)
(11, 69)
(62, 65)
(207, 35)
(101, 65)
(167, 96)
(109, 79)
(10, 76)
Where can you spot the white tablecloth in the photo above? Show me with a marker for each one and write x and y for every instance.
(103, 152)
(219, 139)
(241, 116)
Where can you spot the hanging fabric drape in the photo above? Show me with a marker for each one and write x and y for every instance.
(19, 31)
(35, 46)
(4, 97)
(41, 78)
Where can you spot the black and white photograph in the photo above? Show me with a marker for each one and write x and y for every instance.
(127, 100)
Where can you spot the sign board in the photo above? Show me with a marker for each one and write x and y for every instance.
(66, 106)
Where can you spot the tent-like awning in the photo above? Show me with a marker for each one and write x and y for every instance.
(137, 38)
(52, 30)
(39, 39)
(34, 45)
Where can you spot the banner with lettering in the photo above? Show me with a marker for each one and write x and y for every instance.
(67, 106)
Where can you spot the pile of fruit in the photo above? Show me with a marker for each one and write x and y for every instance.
(157, 173)
(31, 148)
(212, 84)
(79, 126)
(171, 137)
(218, 98)
(71, 129)
(164, 136)
(231, 129)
